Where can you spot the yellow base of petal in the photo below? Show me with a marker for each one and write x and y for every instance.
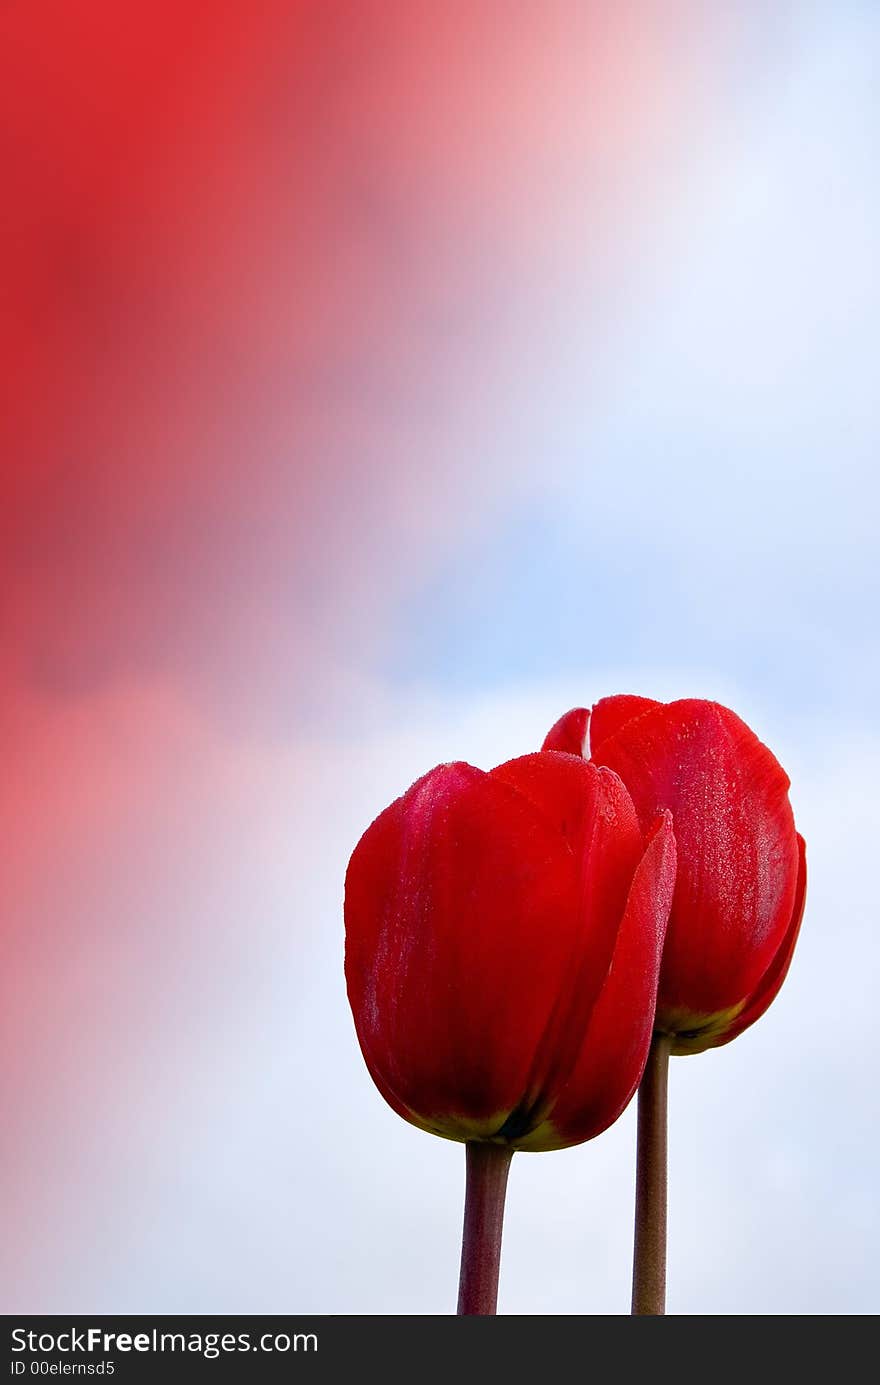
(693, 1033)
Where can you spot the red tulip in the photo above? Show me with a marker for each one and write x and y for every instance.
(739, 894)
(503, 939)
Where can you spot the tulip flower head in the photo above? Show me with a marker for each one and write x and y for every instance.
(739, 894)
(503, 940)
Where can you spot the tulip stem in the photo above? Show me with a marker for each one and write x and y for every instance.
(487, 1168)
(649, 1252)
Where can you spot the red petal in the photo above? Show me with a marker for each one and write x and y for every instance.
(570, 733)
(594, 812)
(462, 927)
(611, 714)
(737, 851)
(771, 982)
(613, 1052)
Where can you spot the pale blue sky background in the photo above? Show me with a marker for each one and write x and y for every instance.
(665, 485)
(704, 489)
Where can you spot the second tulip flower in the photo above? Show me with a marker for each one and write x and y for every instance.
(739, 896)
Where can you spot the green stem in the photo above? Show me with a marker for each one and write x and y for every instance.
(649, 1252)
(487, 1168)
